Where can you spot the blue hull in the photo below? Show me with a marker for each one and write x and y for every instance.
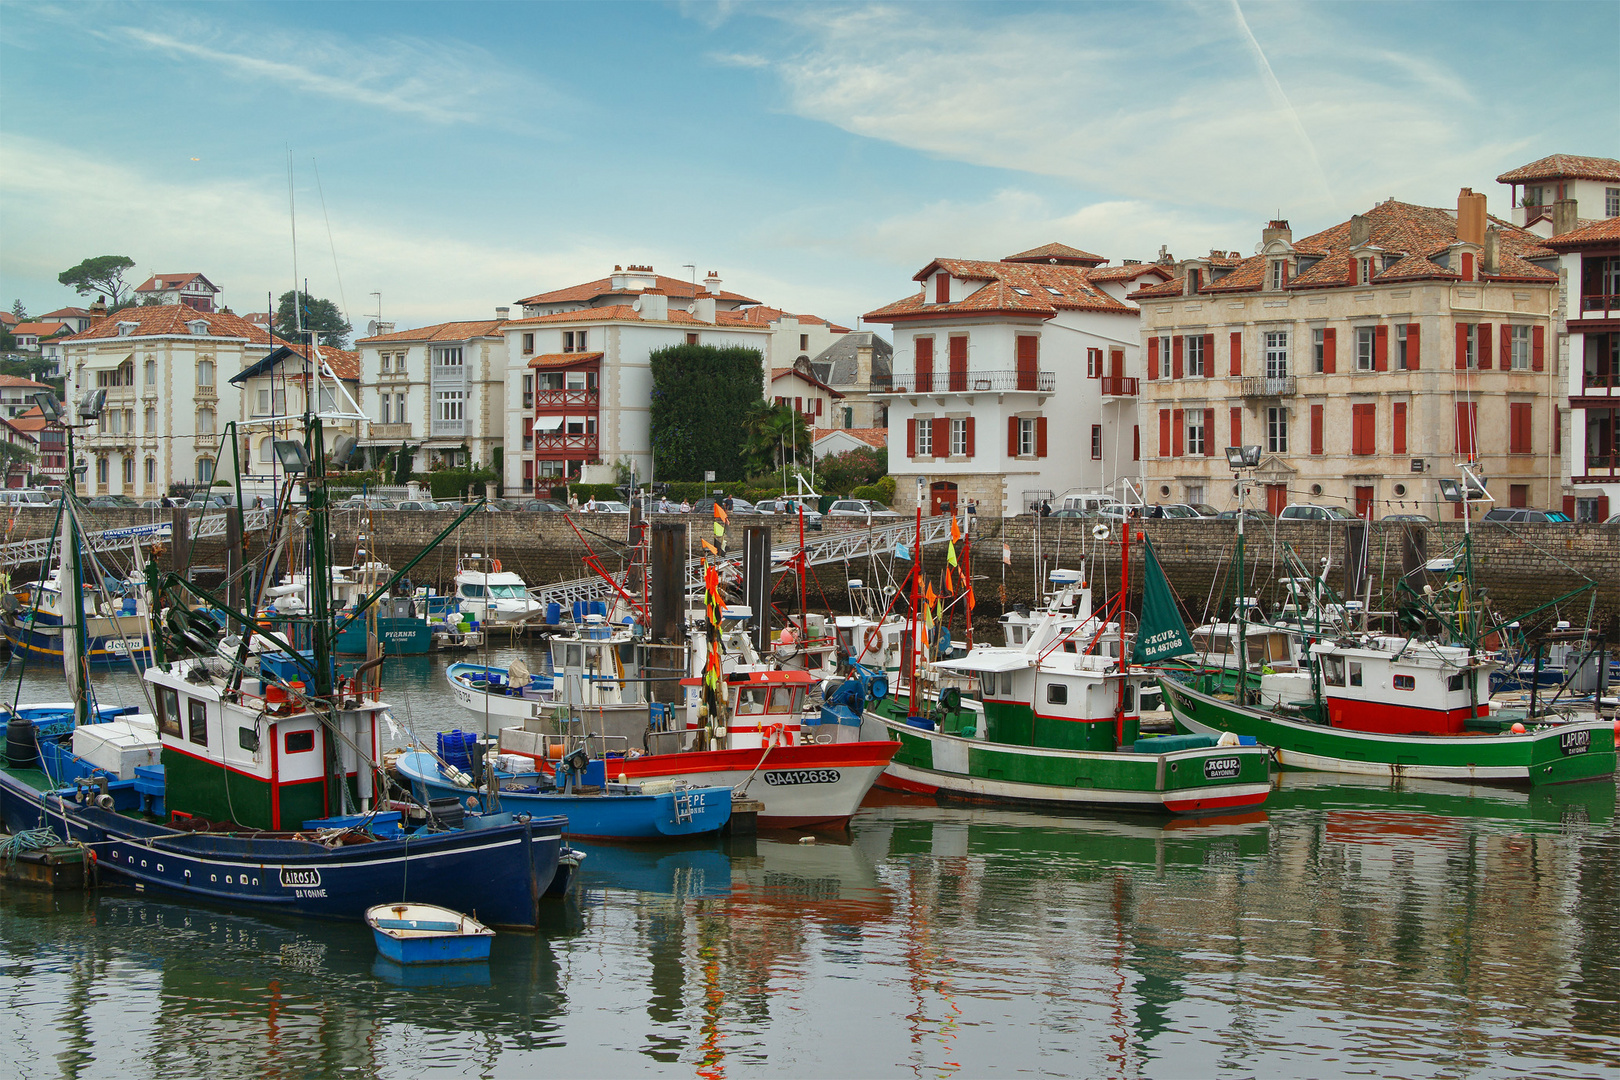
(674, 814)
(447, 949)
(41, 645)
(399, 637)
(498, 873)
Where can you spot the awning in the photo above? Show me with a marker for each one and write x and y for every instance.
(549, 424)
(253, 371)
(990, 658)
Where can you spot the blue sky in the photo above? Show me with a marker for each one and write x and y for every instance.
(458, 157)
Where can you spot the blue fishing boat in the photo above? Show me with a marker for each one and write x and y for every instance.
(428, 934)
(595, 809)
(114, 622)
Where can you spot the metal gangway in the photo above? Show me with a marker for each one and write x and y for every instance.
(840, 547)
(206, 527)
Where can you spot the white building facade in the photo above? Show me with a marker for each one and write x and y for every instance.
(440, 387)
(1589, 273)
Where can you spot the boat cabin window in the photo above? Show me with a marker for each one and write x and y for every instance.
(781, 699)
(1333, 670)
(1006, 684)
(1405, 682)
(1057, 694)
(1069, 646)
(197, 715)
(1015, 635)
(1458, 681)
(751, 700)
(508, 592)
(987, 684)
(248, 739)
(469, 589)
(299, 742)
(1208, 645)
(571, 656)
(1355, 673)
(168, 703)
(1130, 697)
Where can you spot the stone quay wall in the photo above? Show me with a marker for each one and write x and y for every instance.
(1520, 566)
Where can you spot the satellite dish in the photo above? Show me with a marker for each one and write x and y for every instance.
(343, 450)
(371, 328)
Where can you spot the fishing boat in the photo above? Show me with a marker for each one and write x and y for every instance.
(428, 934)
(1407, 704)
(504, 692)
(1057, 722)
(114, 621)
(267, 792)
(596, 808)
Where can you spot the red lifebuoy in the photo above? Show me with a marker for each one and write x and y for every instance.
(496, 563)
(874, 641)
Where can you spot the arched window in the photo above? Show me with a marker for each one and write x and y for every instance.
(205, 373)
(267, 449)
(151, 470)
(205, 421)
(126, 373)
(205, 470)
(151, 420)
(151, 373)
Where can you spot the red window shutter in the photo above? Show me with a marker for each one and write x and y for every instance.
(911, 438)
(1485, 347)
(1468, 266)
(942, 289)
(1116, 363)
(1462, 346)
(1136, 442)
(959, 362)
(942, 437)
(1569, 507)
(1412, 350)
(1040, 436)
(1153, 358)
(1558, 431)
(1381, 348)
(1538, 348)
(1506, 352)
(1209, 355)
(1209, 432)
(798, 405)
(1364, 430)
(1330, 351)
(1175, 364)
(1028, 353)
(1237, 356)
(970, 436)
(925, 364)
(1603, 509)
(1519, 427)
(1398, 441)
(1012, 436)
(1178, 431)
(1237, 428)
(1316, 429)
(1466, 416)
(1164, 433)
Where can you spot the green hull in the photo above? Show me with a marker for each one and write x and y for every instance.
(1562, 754)
(1199, 780)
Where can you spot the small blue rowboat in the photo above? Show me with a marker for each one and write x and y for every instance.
(428, 934)
(608, 812)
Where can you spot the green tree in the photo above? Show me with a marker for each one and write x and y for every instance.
(103, 274)
(776, 435)
(15, 452)
(321, 316)
(700, 397)
(20, 312)
(839, 474)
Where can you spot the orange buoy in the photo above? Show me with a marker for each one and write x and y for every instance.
(554, 751)
(1517, 728)
(496, 563)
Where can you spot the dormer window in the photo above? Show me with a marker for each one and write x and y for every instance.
(1364, 271)
(942, 289)
(125, 329)
(198, 326)
(1279, 273)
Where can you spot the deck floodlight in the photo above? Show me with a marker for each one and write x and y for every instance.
(293, 457)
(1242, 457)
(49, 407)
(91, 404)
(1451, 490)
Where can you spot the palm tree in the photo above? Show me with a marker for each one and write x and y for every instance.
(776, 435)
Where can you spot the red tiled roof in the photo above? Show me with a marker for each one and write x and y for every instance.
(591, 290)
(42, 328)
(8, 318)
(343, 363)
(763, 316)
(450, 331)
(172, 319)
(1563, 167)
(1036, 289)
(1602, 231)
(1061, 253)
(1414, 233)
(784, 372)
(1126, 273)
(31, 421)
(871, 436)
(170, 281)
(17, 381)
(66, 313)
(626, 313)
(565, 359)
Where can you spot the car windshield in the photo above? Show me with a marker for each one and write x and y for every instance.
(1340, 513)
(1555, 515)
(877, 507)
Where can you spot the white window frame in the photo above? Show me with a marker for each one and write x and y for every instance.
(151, 373)
(213, 419)
(448, 356)
(1195, 356)
(1276, 354)
(449, 406)
(958, 437)
(1279, 273)
(1402, 330)
(1366, 348)
(925, 437)
(1026, 436)
(1471, 347)
(1519, 347)
(1318, 350)
(205, 373)
(387, 414)
(151, 470)
(1611, 202)
(1196, 446)
(1277, 430)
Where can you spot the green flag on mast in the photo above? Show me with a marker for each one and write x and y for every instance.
(1161, 634)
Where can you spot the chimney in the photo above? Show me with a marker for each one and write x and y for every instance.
(1276, 230)
(1491, 260)
(653, 304)
(1470, 217)
(1361, 229)
(703, 307)
(98, 307)
(863, 366)
(503, 313)
(1563, 217)
(712, 283)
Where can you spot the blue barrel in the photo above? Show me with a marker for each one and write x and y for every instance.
(553, 614)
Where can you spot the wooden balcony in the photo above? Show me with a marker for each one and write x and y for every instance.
(559, 443)
(551, 399)
(1118, 386)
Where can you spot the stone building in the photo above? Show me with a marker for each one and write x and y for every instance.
(1593, 182)
(1365, 360)
(857, 365)
(1014, 381)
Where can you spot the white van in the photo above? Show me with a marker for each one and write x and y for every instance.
(1086, 504)
(27, 497)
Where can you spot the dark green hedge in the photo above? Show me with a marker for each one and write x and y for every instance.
(700, 397)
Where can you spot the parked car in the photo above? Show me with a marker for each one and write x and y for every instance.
(1069, 513)
(198, 502)
(1521, 515)
(1407, 517)
(606, 506)
(790, 508)
(376, 502)
(1202, 510)
(860, 508)
(1612, 519)
(1169, 510)
(111, 502)
(543, 505)
(1314, 512)
(413, 504)
(1248, 515)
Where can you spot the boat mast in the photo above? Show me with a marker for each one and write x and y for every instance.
(1124, 599)
(916, 601)
(75, 646)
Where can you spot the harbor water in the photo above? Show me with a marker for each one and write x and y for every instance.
(1351, 928)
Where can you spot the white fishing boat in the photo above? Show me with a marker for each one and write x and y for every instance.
(493, 596)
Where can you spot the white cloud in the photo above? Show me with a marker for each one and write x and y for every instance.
(1175, 103)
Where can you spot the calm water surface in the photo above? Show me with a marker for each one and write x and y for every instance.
(1350, 929)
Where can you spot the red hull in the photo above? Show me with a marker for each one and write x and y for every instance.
(1384, 718)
